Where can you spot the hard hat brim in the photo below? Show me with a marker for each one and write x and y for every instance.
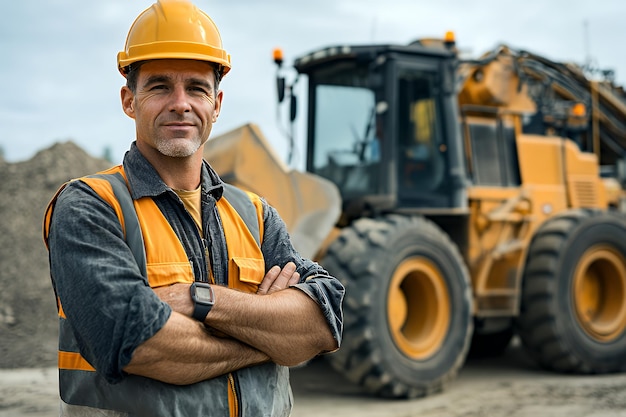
(173, 50)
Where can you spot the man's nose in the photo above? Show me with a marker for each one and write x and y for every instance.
(180, 101)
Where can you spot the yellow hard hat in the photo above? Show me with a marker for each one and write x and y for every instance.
(173, 29)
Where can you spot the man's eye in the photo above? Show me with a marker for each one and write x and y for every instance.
(199, 90)
(157, 87)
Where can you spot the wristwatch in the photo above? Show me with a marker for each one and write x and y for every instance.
(203, 299)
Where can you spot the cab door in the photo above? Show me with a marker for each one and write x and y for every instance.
(426, 130)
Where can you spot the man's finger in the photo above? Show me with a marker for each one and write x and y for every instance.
(268, 280)
(295, 279)
(278, 279)
(282, 281)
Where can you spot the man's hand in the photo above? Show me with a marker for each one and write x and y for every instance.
(278, 279)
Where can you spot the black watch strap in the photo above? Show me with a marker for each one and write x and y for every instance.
(200, 311)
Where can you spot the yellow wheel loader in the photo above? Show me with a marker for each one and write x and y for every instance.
(461, 202)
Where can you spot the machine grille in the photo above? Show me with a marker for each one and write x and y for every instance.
(584, 193)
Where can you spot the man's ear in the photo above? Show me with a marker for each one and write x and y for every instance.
(128, 102)
(218, 105)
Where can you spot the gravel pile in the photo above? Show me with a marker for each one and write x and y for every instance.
(28, 323)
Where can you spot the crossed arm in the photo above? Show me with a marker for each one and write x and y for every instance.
(278, 324)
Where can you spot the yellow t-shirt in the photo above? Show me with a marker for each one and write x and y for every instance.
(191, 199)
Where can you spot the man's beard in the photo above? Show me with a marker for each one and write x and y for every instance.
(179, 147)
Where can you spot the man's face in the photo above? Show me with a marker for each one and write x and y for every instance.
(174, 107)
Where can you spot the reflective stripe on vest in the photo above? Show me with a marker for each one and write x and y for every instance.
(164, 262)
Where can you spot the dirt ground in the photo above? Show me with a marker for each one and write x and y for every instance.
(507, 386)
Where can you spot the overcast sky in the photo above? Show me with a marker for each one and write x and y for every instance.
(60, 79)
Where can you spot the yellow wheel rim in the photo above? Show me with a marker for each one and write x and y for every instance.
(418, 308)
(599, 293)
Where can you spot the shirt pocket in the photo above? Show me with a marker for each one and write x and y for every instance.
(247, 273)
(168, 273)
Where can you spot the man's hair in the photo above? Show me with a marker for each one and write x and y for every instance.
(133, 74)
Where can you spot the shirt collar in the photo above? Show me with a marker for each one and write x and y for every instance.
(145, 181)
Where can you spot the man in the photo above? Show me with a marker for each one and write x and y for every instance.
(209, 321)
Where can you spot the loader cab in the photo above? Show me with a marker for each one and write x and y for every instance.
(382, 125)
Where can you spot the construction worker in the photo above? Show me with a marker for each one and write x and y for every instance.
(207, 316)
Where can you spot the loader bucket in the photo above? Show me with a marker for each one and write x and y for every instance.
(308, 204)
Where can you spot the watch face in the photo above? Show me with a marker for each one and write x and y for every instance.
(204, 294)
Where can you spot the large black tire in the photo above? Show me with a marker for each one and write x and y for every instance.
(407, 311)
(573, 309)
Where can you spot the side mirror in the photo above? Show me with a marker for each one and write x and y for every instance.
(293, 107)
(280, 88)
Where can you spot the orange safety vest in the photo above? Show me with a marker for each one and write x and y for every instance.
(165, 259)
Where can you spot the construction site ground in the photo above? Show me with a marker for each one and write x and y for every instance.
(506, 386)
